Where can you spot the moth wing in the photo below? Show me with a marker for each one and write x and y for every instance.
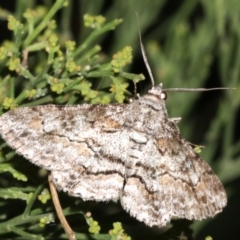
(76, 143)
(170, 180)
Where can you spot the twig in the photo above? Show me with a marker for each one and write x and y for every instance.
(58, 207)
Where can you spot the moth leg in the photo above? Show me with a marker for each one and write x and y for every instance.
(175, 120)
(70, 233)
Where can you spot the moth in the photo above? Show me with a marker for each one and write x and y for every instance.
(132, 153)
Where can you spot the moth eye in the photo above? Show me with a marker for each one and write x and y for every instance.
(163, 96)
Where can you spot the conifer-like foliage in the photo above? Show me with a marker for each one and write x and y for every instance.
(73, 52)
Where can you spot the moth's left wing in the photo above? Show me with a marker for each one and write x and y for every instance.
(85, 146)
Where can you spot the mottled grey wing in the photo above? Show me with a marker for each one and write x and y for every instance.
(167, 179)
(84, 146)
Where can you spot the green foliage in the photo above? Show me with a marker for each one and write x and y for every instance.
(189, 44)
(59, 67)
(6, 167)
(93, 225)
(118, 232)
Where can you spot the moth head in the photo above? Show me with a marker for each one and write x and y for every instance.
(158, 92)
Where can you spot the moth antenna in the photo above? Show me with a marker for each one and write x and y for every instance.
(144, 53)
(170, 89)
(196, 89)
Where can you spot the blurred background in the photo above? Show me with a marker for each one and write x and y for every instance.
(189, 44)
